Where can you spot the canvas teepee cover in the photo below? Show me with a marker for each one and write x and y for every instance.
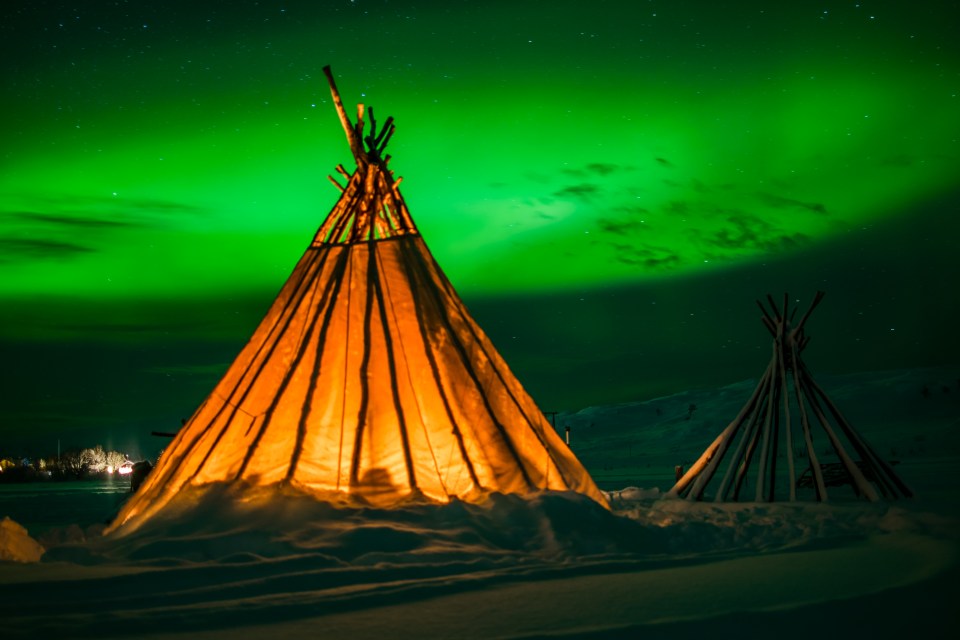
(368, 380)
(773, 445)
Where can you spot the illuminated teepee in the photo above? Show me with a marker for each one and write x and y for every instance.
(367, 381)
(763, 434)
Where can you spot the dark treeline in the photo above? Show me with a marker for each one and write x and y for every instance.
(72, 464)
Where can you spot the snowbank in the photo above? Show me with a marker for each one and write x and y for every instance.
(275, 562)
(16, 545)
(222, 524)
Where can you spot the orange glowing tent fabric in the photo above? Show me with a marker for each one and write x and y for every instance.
(368, 381)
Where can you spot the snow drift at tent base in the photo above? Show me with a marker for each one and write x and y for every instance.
(275, 562)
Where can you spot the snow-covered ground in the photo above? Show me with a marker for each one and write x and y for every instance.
(555, 565)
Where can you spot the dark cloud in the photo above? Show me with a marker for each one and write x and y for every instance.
(71, 221)
(583, 191)
(602, 168)
(619, 227)
(16, 249)
(110, 205)
(663, 162)
(167, 206)
(65, 224)
(631, 209)
(649, 257)
(748, 232)
(592, 168)
(677, 207)
(780, 202)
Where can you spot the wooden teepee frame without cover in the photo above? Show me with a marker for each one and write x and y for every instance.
(769, 409)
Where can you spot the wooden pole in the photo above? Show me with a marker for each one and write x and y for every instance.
(865, 451)
(785, 396)
(754, 434)
(768, 322)
(765, 443)
(797, 328)
(747, 435)
(821, 489)
(703, 469)
(851, 466)
(775, 446)
(356, 147)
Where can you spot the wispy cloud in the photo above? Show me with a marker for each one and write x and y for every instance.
(20, 249)
(71, 221)
(677, 208)
(109, 204)
(96, 212)
(602, 168)
(779, 202)
(592, 169)
(62, 227)
(650, 257)
(582, 191)
(747, 232)
(619, 227)
(630, 209)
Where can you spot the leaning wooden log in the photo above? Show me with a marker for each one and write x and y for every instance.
(863, 449)
(765, 442)
(852, 468)
(807, 432)
(788, 433)
(704, 468)
(352, 138)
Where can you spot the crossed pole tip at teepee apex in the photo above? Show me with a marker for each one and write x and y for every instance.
(371, 206)
(763, 433)
(375, 142)
(780, 322)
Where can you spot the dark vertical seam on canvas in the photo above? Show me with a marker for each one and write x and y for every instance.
(418, 305)
(328, 304)
(392, 365)
(462, 352)
(291, 370)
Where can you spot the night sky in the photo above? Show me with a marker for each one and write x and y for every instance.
(609, 185)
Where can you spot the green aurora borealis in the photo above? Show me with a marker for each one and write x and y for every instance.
(608, 184)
